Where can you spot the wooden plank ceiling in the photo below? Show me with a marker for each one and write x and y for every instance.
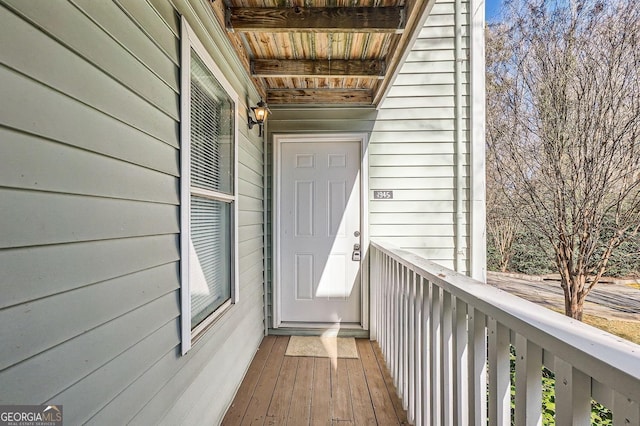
(320, 52)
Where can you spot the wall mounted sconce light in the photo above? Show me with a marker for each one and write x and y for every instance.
(260, 112)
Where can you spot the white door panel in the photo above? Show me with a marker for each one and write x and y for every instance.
(319, 220)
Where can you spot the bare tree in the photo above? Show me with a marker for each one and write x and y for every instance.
(567, 153)
(502, 224)
(502, 231)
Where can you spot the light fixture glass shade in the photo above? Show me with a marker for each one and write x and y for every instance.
(261, 111)
(261, 114)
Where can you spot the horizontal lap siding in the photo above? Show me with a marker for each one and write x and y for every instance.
(89, 216)
(412, 149)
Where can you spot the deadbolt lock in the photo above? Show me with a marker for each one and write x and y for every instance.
(356, 253)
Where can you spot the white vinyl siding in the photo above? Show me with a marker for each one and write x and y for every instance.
(413, 152)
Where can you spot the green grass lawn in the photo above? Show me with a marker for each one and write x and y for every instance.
(629, 330)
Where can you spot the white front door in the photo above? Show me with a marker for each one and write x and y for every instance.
(319, 229)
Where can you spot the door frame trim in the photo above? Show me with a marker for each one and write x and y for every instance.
(363, 140)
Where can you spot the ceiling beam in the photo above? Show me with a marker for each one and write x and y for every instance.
(319, 96)
(317, 68)
(316, 19)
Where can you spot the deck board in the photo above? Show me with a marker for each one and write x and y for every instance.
(363, 413)
(340, 392)
(245, 393)
(261, 398)
(300, 409)
(321, 397)
(391, 389)
(283, 390)
(282, 394)
(382, 404)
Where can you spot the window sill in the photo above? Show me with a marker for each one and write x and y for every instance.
(208, 323)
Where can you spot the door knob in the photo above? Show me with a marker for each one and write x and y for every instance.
(356, 234)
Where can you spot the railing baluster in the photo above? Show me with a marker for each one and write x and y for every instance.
(389, 289)
(389, 301)
(417, 373)
(461, 380)
(396, 327)
(602, 394)
(398, 370)
(384, 327)
(398, 316)
(388, 314)
(427, 351)
(374, 285)
(382, 284)
(405, 339)
(625, 411)
(400, 347)
(382, 332)
(528, 382)
(447, 358)
(380, 297)
(573, 394)
(499, 380)
(477, 368)
(436, 357)
(411, 347)
(374, 268)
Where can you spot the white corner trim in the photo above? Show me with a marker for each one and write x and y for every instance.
(460, 255)
(478, 241)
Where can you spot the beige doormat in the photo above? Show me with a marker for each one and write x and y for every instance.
(322, 346)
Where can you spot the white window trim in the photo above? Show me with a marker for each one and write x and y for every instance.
(190, 41)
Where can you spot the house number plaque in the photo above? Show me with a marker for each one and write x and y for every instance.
(383, 195)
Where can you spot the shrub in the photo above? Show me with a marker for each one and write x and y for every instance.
(600, 415)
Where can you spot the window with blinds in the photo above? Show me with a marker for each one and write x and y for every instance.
(211, 193)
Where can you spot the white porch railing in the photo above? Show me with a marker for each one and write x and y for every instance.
(446, 340)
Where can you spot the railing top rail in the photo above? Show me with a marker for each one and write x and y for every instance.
(609, 359)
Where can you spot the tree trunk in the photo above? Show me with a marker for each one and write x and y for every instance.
(574, 308)
(573, 297)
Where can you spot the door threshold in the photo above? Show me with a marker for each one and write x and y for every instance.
(317, 330)
(322, 325)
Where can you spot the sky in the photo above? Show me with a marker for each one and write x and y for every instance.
(492, 7)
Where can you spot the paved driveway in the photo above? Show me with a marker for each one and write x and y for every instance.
(614, 301)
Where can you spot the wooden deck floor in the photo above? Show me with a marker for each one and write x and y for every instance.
(283, 390)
